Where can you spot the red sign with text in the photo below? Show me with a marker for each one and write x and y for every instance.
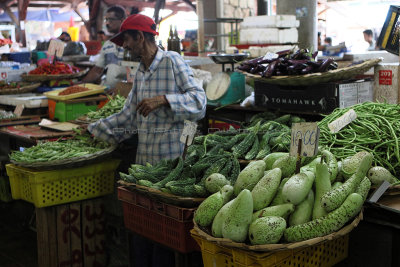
(385, 77)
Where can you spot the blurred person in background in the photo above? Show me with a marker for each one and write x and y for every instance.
(369, 38)
(65, 37)
(328, 41)
(110, 57)
(101, 36)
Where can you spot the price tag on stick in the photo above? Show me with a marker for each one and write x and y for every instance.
(342, 121)
(19, 109)
(189, 130)
(308, 132)
(56, 47)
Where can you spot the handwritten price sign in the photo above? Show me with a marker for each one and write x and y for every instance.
(189, 130)
(308, 132)
(342, 121)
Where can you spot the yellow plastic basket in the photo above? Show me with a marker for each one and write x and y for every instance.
(49, 188)
(323, 254)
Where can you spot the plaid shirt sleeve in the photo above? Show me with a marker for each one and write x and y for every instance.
(191, 103)
(117, 127)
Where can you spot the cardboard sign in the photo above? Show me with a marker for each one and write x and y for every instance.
(342, 121)
(376, 195)
(385, 77)
(308, 132)
(56, 47)
(189, 130)
(19, 109)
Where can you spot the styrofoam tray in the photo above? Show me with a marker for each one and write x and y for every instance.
(93, 89)
(29, 100)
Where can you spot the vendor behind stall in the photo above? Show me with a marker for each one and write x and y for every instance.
(164, 94)
(110, 55)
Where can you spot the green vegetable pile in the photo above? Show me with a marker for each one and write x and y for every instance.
(265, 133)
(185, 177)
(215, 153)
(6, 114)
(272, 203)
(58, 150)
(376, 130)
(114, 105)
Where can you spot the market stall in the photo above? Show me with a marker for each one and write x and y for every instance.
(296, 162)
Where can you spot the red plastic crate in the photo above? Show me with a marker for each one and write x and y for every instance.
(163, 223)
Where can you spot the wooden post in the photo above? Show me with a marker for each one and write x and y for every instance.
(200, 32)
(298, 162)
(71, 234)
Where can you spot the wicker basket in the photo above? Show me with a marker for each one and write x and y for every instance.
(69, 162)
(319, 77)
(44, 77)
(276, 247)
(325, 254)
(25, 88)
(186, 202)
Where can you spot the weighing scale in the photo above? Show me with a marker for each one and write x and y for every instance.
(226, 87)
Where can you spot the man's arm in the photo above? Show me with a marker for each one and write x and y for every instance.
(119, 126)
(191, 103)
(94, 75)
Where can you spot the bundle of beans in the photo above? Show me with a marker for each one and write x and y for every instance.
(376, 129)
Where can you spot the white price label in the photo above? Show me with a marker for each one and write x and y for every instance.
(19, 109)
(189, 130)
(56, 47)
(308, 132)
(342, 121)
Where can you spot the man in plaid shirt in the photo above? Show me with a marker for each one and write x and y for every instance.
(164, 94)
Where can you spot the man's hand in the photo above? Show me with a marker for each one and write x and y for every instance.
(81, 129)
(147, 105)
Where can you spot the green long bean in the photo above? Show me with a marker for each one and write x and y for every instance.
(376, 129)
(59, 150)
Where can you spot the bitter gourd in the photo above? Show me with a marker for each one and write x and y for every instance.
(253, 151)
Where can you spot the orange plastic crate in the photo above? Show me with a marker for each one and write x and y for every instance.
(163, 223)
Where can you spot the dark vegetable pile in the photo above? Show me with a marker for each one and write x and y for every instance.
(288, 62)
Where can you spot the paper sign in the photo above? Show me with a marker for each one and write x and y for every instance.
(45, 122)
(56, 47)
(376, 195)
(308, 132)
(385, 77)
(19, 109)
(342, 121)
(189, 130)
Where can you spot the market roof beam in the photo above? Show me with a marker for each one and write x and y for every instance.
(172, 5)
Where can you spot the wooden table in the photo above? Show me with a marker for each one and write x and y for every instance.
(32, 133)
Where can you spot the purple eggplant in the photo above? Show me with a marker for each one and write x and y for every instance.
(244, 67)
(325, 64)
(264, 61)
(297, 61)
(307, 70)
(253, 61)
(314, 55)
(269, 71)
(284, 53)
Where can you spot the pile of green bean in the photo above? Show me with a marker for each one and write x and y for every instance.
(6, 114)
(376, 129)
(59, 150)
(114, 105)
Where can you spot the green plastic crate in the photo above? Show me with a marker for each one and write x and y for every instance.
(66, 111)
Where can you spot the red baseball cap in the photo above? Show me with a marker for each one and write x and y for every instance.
(135, 22)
